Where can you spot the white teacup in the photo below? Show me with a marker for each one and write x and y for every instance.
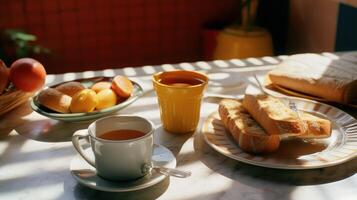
(118, 160)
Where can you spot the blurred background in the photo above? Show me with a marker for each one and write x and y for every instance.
(79, 35)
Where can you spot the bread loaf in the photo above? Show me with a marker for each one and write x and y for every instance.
(247, 133)
(273, 115)
(253, 137)
(70, 88)
(277, 118)
(55, 100)
(316, 75)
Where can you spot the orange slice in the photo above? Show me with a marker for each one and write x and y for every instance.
(122, 86)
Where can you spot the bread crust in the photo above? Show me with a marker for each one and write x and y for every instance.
(252, 137)
(55, 100)
(262, 107)
(312, 87)
(247, 133)
(70, 88)
(316, 127)
(312, 74)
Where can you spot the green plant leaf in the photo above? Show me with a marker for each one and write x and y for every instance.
(25, 36)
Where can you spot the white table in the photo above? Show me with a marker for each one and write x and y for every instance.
(35, 152)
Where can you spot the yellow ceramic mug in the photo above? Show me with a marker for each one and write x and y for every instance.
(179, 95)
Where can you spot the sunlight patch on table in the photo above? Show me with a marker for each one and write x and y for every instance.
(129, 71)
(283, 57)
(88, 74)
(108, 72)
(36, 146)
(270, 60)
(49, 79)
(17, 169)
(238, 62)
(255, 61)
(218, 76)
(48, 191)
(330, 55)
(187, 66)
(69, 76)
(308, 192)
(203, 65)
(221, 63)
(168, 67)
(148, 69)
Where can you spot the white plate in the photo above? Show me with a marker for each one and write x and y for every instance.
(86, 174)
(340, 147)
(90, 116)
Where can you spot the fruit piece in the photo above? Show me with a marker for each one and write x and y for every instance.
(102, 85)
(122, 86)
(106, 98)
(54, 100)
(70, 88)
(84, 101)
(4, 76)
(27, 74)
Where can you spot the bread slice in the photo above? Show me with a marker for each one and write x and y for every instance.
(273, 115)
(55, 100)
(316, 75)
(277, 119)
(247, 133)
(316, 127)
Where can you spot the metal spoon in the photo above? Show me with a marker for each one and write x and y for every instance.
(166, 171)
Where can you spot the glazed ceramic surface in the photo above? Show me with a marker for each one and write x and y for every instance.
(118, 159)
(179, 106)
(76, 117)
(86, 174)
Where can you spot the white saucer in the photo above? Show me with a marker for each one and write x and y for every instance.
(86, 174)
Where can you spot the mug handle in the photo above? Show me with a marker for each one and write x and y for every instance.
(75, 140)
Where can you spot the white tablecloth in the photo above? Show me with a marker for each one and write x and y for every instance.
(35, 152)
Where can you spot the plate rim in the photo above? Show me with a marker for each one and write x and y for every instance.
(100, 188)
(278, 165)
(85, 116)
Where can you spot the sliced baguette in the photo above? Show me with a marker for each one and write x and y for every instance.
(276, 118)
(273, 115)
(315, 127)
(247, 133)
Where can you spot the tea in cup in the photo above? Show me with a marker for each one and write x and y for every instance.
(122, 146)
(179, 95)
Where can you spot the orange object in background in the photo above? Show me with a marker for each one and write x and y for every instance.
(122, 86)
(237, 43)
(180, 100)
(27, 74)
(102, 85)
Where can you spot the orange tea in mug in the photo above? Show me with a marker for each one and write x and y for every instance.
(179, 95)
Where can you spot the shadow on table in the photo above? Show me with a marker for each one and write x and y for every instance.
(165, 138)
(48, 130)
(248, 173)
(152, 192)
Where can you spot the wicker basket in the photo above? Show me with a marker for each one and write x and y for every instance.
(11, 99)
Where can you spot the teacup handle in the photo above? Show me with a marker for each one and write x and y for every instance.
(75, 140)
